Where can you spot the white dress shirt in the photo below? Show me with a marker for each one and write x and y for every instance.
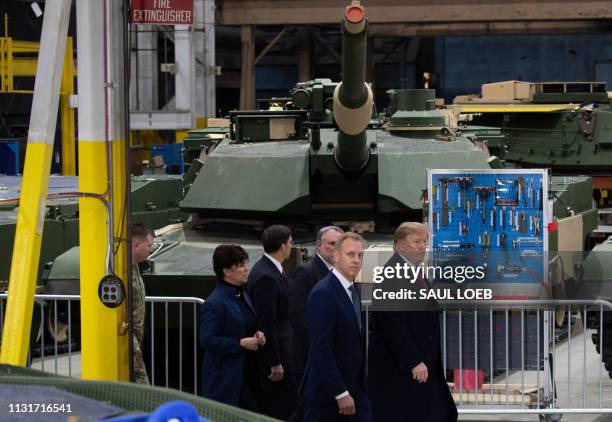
(345, 283)
(327, 264)
(277, 264)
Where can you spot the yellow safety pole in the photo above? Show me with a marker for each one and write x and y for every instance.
(67, 114)
(120, 202)
(104, 343)
(30, 217)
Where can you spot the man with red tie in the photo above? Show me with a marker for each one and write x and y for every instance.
(406, 379)
(267, 288)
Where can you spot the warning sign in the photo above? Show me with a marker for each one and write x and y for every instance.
(162, 12)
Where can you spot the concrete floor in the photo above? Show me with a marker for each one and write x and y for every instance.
(577, 385)
(66, 365)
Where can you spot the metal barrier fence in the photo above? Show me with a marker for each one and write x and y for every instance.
(172, 328)
(55, 338)
(526, 357)
(529, 367)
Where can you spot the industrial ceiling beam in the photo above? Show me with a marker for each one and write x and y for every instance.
(330, 50)
(301, 12)
(270, 45)
(489, 28)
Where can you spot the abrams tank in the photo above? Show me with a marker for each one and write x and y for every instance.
(324, 159)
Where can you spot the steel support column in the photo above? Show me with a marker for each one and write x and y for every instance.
(32, 206)
(209, 68)
(184, 78)
(304, 55)
(147, 67)
(119, 114)
(103, 334)
(247, 68)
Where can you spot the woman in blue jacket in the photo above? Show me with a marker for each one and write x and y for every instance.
(229, 335)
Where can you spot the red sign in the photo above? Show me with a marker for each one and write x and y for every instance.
(162, 12)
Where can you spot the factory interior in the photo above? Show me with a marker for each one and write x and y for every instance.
(138, 137)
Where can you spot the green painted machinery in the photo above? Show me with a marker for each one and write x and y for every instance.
(200, 142)
(154, 202)
(565, 126)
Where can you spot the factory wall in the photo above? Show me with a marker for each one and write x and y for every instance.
(463, 64)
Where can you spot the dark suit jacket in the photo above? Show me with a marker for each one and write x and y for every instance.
(268, 290)
(399, 342)
(303, 280)
(221, 328)
(336, 356)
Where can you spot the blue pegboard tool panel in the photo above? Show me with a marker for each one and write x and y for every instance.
(497, 218)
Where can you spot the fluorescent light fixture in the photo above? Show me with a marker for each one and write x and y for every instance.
(36, 9)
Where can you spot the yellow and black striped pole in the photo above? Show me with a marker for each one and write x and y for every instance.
(32, 203)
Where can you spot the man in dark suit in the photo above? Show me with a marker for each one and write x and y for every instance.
(301, 283)
(334, 380)
(267, 287)
(405, 375)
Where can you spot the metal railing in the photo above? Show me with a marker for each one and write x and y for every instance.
(526, 357)
(180, 331)
(55, 338)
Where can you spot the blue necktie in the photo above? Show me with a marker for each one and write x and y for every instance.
(356, 304)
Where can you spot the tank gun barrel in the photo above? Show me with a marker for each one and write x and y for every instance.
(353, 98)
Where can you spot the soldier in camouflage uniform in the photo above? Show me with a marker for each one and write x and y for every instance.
(142, 241)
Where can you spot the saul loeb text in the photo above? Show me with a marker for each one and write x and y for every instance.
(433, 293)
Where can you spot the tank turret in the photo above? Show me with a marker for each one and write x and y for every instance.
(353, 98)
(325, 157)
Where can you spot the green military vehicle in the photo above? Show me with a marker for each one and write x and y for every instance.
(154, 202)
(564, 126)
